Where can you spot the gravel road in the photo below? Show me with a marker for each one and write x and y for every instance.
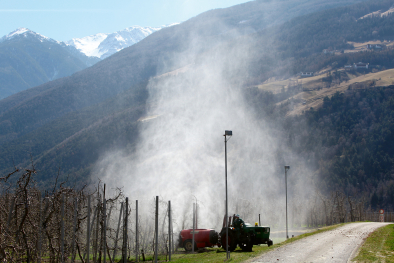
(338, 245)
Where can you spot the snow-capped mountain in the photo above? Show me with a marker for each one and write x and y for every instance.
(25, 32)
(29, 59)
(104, 45)
(88, 45)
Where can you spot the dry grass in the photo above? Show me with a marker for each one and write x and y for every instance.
(275, 86)
(315, 90)
(362, 46)
(175, 72)
(378, 13)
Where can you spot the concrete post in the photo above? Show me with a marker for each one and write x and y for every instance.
(88, 234)
(194, 221)
(39, 229)
(136, 233)
(124, 249)
(62, 231)
(156, 228)
(105, 230)
(169, 231)
(73, 253)
(117, 231)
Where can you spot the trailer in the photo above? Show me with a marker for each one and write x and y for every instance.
(202, 238)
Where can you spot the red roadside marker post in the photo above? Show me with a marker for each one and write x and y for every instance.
(381, 216)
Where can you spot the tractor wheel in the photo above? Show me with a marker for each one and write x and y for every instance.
(248, 246)
(213, 237)
(270, 243)
(188, 245)
(231, 241)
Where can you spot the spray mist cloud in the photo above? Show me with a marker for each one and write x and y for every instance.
(180, 152)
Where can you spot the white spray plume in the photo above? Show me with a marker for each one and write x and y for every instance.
(180, 152)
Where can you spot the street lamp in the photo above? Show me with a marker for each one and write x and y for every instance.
(226, 133)
(287, 227)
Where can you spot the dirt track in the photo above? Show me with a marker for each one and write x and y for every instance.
(338, 245)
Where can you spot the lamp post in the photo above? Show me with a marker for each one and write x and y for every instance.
(226, 133)
(287, 227)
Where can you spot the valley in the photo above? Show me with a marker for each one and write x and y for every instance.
(69, 122)
(108, 132)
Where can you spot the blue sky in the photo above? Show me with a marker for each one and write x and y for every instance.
(63, 20)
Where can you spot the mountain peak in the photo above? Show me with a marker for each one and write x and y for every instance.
(19, 31)
(103, 45)
(25, 32)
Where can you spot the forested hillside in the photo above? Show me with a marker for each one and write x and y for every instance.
(352, 139)
(349, 141)
(297, 46)
(70, 145)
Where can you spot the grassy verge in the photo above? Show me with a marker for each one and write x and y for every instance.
(219, 255)
(378, 247)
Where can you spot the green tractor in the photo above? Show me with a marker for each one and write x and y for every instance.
(243, 234)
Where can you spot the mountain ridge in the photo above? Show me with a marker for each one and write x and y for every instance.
(54, 59)
(25, 32)
(103, 45)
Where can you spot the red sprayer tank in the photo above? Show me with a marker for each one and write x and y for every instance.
(202, 238)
